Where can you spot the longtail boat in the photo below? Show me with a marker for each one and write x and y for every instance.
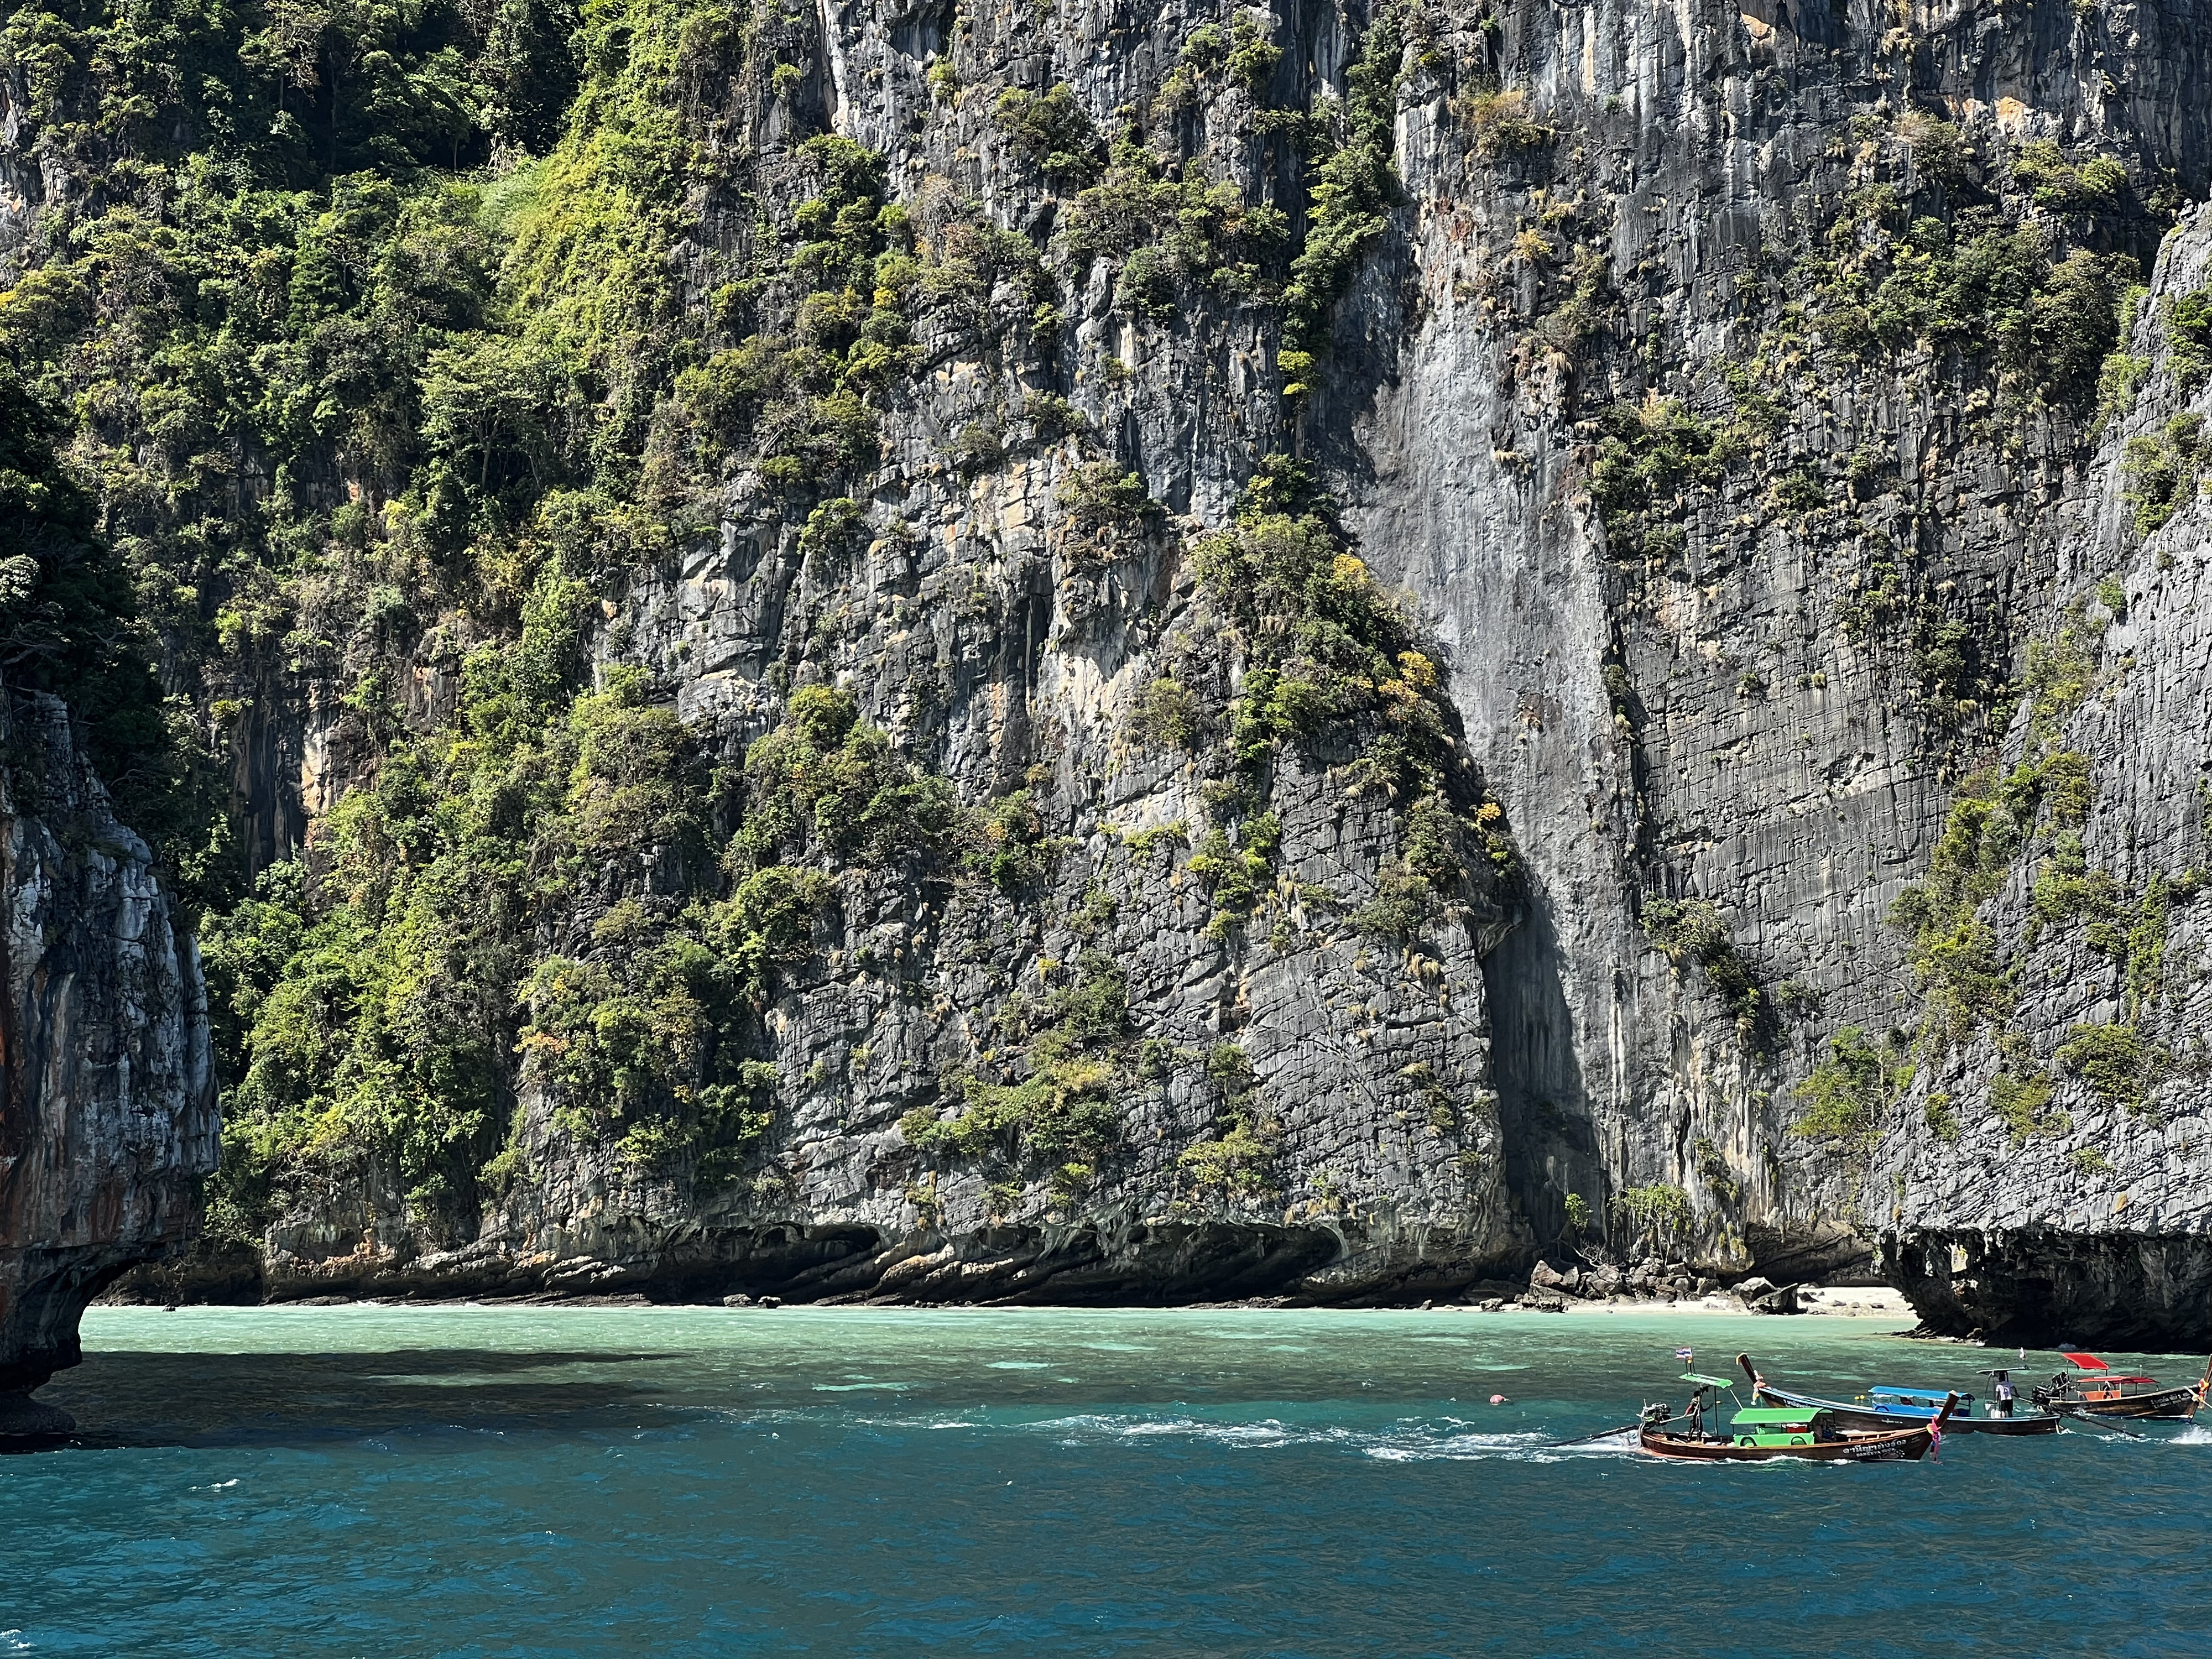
(1898, 1408)
(1759, 1434)
(2093, 1389)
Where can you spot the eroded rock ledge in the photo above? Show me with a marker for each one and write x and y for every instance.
(1140, 1260)
(2041, 1286)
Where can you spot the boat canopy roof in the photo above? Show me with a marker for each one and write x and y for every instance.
(1776, 1415)
(2087, 1362)
(1700, 1378)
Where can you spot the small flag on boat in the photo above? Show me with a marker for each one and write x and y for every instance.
(1684, 1355)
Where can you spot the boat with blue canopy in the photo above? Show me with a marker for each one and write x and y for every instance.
(1890, 1407)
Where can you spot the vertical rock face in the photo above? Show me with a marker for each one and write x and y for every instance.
(1731, 693)
(2048, 1179)
(1553, 803)
(109, 1117)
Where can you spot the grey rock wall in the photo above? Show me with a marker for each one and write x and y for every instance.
(2085, 1218)
(1699, 721)
(1750, 751)
(109, 1116)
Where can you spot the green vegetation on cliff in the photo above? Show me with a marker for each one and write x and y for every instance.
(347, 395)
(369, 353)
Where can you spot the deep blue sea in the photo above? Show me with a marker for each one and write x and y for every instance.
(671, 1481)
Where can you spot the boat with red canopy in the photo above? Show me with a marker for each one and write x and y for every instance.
(2094, 1389)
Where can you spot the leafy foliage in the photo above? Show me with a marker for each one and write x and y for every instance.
(1235, 1162)
(2159, 474)
(1649, 456)
(338, 409)
(2118, 1065)
(1659, 1211)
(1062, 1111)
(2023, 1105)
(826, 783)
(70, 627)
(1953, 954)
(1052, 128)
(1173, 227)
(1845, 1093)
(1332, 656)
(1693, 931)
(1972, 283)
(1503, 125)
(2189, 340)
(1347, 205)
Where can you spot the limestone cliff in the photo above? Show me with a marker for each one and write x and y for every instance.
(109, 1119)
(978, 651)
(2047, 1177)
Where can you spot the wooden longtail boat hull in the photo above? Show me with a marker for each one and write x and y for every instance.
(2168, 1405)
(1866, 1418)
(1899, 1446)
(2025, 1423)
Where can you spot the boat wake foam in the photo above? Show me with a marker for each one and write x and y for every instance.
(1411, 1440)
(1408, 1440)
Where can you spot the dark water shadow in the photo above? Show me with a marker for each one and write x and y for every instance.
(145, 1399)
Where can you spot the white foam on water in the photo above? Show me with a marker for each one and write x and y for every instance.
(1094, 1428)
(1408, 1442)
(1459, 1444)
(2195, 1435)
(1020, 1365)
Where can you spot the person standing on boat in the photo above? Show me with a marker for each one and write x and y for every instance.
(2002, 1408)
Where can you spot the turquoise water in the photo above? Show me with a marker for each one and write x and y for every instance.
(480, 1481)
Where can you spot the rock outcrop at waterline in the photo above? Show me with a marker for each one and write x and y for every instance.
(109, 1115)
(1103, 1260)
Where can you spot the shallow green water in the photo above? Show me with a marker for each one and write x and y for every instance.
(367, 1481)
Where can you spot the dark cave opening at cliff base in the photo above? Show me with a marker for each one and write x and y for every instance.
(2041, 1287)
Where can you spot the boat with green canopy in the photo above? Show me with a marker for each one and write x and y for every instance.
(1759, 1434)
